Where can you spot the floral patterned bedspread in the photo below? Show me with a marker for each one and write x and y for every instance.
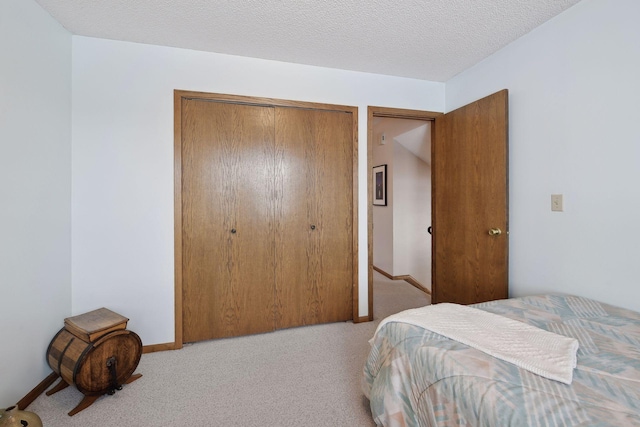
(414, 377)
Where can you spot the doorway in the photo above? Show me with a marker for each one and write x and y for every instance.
(469, 198)
(386, 127)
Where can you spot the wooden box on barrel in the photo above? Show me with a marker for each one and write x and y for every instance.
(96, 353)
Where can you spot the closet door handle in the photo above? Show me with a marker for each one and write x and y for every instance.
(233, 231)
(313, 227)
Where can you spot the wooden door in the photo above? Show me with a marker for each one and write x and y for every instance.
(470, 198)
(228, 224)
(314, 271)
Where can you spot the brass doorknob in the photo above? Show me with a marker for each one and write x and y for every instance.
(495, 232)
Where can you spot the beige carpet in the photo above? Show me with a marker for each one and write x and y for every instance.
(307, 376)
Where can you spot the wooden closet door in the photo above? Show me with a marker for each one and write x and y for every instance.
(314, 155)
(228, 219)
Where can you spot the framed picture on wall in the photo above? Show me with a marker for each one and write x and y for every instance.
(380, 185)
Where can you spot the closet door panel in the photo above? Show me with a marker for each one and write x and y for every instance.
(334, 194)
(228, 219)
(292, 288)
(314, 231)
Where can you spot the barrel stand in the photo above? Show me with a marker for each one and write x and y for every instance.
(95, 368)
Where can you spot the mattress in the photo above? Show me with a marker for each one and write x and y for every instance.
(415, 377)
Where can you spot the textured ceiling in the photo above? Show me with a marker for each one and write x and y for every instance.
(423, 39)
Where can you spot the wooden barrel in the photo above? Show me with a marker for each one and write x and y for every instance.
(84, 364)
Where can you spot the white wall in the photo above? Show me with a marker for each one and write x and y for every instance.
(122, 197)
(574, 91)
(35, 189)
(383, 215)
(401, 243)
(411, 216)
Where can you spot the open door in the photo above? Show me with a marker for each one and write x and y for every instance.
(470, 202)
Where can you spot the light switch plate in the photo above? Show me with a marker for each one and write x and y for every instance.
(556, 203)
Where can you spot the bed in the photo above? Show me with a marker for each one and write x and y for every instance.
(415, 377)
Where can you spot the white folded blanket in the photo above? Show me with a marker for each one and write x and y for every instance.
(542, 352)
